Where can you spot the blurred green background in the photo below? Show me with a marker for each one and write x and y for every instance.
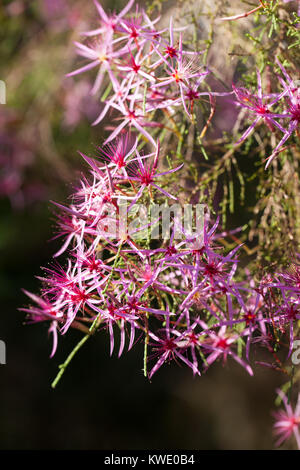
(102, 402)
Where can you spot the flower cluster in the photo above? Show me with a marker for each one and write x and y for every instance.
(181, 293)
(119, 281)
(180, 296)
(259, 106)
(142, 69)
(148, 69)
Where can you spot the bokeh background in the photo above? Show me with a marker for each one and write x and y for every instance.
(102, 402)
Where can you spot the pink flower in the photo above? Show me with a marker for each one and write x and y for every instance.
(109, 23)
(259, 106)
(101, 55)
(168, 347)
(287, 421)
(180, 72)
(291, 93)
(145, 175)
(220, 345)
(45, 311)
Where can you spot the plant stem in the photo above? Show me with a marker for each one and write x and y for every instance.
(63, 366)
(94, 326)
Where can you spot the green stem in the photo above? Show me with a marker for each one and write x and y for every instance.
(146, 348)
(94, 325)
(63, 366)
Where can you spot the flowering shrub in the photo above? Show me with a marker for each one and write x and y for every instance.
(178, 285)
